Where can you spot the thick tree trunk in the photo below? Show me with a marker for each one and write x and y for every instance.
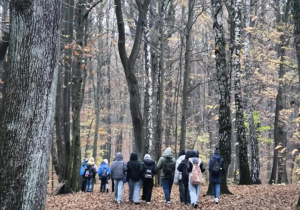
(223, 77)
(187, 70)
(128, 65)
(27, 111)
(240, 125)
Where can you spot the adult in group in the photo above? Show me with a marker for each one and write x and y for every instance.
(90, 173)
(196, 168)
(166, 165)
(178, 176)
(133, 177)
(216, 171)
(184, 169)
(82, 170)
(147, 171)
(104, 174)
(118, 169)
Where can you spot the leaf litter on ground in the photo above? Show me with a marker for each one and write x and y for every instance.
(244, 197)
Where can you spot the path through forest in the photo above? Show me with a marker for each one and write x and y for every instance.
(245, 197)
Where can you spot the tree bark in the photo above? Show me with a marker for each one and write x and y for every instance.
(223, 77)
(128, 65)
(27, 111)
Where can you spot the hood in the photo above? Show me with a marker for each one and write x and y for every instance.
(195, 153)
(168, 152)
(119, 156)
(182, 152)
(147, 156)
(188, 154)
(149, 162)
(103, 163)
(133, 156)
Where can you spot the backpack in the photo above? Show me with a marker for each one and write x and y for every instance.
(216, 167)
(148, 174)
(82, 169)
(196, 175)
(168, 167)
(104, 172)
(88, 172)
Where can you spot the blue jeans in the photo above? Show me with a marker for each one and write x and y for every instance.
(167, 186)
(194, 193)
(216, 189)
(118, 190)
(134, 186)
(89, 185)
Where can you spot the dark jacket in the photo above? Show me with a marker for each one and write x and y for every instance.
(216, 157)
(92, 170)
(133, 168)
(183, 167)
(195, 158)
(118, 167)
(148, 164)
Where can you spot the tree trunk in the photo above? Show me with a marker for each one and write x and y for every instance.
(27, 111)
(128, 65)
(223, 77)
(240, 125)
(187, 70)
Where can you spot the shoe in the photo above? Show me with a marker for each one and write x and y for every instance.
(137, 203)
(143, 201)
(217, 200)
(107, 190)
(148, 202)
(195, 205)
(168, 203)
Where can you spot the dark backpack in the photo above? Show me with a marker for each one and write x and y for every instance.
(168, 167)
(88, 172)
(216, 167)
(148, 173)
(104, 172)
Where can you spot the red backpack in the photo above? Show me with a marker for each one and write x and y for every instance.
(196, 174)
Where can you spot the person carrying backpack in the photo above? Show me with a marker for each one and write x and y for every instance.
(104, 174)
(178, 176)
(118, 169)
(147, 171)
(82, 170)
(183, 167)
(216, 171)
(166, 165)
(133, 177)
(196, 168)
(89, 174)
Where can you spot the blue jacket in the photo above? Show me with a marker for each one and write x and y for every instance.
(103, 165)
(216, 179)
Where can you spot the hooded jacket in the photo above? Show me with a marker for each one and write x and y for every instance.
(148, 163)
(103, 165)
(216, 157)
(178, 174)
(167, 155)
(184, 166)
(92, 170)
(133, 168)
(118, 167)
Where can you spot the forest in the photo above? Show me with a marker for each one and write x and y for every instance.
(91, 78)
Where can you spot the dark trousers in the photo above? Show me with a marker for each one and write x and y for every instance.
(147, 189)
(103, 184)
(112, 185)
(186, 194)
(83, 185)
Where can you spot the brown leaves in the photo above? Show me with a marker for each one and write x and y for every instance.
(244, 197)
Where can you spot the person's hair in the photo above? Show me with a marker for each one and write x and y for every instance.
(217, 147)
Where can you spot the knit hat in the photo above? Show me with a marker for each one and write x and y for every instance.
(91, 161)
(182, 152)
(105, 161)
(168, 150)
(84, 160)
(217, 151)
(147, 157)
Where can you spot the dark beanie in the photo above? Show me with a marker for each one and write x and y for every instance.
(217, 151)
(182, 152)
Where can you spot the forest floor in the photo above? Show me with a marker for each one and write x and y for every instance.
(244, 197)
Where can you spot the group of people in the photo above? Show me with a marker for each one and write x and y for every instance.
(186, 172)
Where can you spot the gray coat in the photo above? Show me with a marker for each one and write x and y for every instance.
(118, 167)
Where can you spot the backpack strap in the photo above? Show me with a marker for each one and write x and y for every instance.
(199, 161)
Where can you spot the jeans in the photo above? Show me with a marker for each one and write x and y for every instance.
(147, 189)
(167, 186)
(134, 186)
(103, 184)
(89, 185)
(118, 190)
(194, 193)
(216, 189)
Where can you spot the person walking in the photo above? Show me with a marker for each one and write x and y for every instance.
(216, 171)
(82, 170)
(178, 176)
(196, 168)
(147, 171)
(166, 165)
(183, 167)
(104, 174)
(118, 169)
(133, 177)
(90, 174)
